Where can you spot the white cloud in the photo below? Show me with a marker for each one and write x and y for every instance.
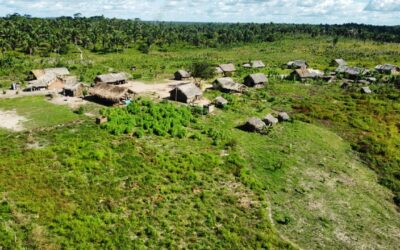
(295, 11)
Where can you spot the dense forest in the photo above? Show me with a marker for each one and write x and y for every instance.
(46, 35)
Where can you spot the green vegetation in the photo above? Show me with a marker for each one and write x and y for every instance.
(161, 175)
(144, 117)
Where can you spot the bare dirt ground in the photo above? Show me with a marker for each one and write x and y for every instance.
(11, 120)
(72, 102)
(156, 90)
(13, 93)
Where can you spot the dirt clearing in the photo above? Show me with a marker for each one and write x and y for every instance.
(11, 120)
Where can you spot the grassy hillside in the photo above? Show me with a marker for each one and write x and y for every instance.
(308, 184)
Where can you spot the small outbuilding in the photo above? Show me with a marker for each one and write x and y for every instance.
(113, 78)
(270, 120)
(111, 94)
(74, 90)
(228, 85)
(220, 102)
(353, 73)
(186, 93)
(283, 117)
(254, 80)
(257, 64)
(366, 90)
(297, 64)
(227, 69)
(182, 75)
(254, 124)
(304, 74)
(388, 69)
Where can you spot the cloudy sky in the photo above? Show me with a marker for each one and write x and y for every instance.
(382, 12)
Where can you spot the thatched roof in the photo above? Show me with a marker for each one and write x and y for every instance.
(296, 64)
(73, 86)
(387, 68)
(352, 71)
(257, 64)
(111, 78)
(304, 73)
(228, 84)
(254, 124)
(270, 120)
(339, 62)
(38, 73)
(246, 65)
(183, 73)
(227, 67)
(220, 101)
(258, 78)
(190, 90)
(218, 70)
(283, 117)
(110, 92)
(43, 81)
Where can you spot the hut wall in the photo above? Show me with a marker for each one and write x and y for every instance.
(57, 84)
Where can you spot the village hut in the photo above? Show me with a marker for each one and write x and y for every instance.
(228, 85)
(366, 90)
(220, 102)
(227, 69)
(181, 75)
(297, 64)
(74, 90)
(388, 69)
(304, 74)
(50, 79)
(270, 120)
(111, 94)
(345, 85)
(283, 117)
(257, 64)
(254, 124)
(113, 78)
(353, 73)
(254, 80)
(338, 62)
(186, 93)
(247, 65)
(219, 71)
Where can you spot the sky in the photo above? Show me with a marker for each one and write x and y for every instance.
(378, 12)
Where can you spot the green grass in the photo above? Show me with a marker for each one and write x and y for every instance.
(86, 188)
(39, 112)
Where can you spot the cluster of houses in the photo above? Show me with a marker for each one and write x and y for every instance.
(107, 87)
(255, 124)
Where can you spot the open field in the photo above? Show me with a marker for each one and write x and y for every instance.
(80, 186)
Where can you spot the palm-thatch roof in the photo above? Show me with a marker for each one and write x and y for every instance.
(304, 73)
(227, 67)
(181, 74)
(351, 71)
(43, 81)
(112, 78)
(220, 101)
(366, 90)
(111, 93)
(227, 84)
(296, 64)
(257, 64)
(190, 90)
(387, 69)
(254, 124)
(38, 73)
(255, 79)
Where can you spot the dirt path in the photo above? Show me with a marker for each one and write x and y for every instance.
(11, 120)
(13, 93)
(274, 225)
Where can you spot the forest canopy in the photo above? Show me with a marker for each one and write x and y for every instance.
(31, 35)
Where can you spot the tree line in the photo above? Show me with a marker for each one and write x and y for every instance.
(32, 35)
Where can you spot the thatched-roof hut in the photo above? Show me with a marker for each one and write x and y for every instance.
(253, 80)
(181, 74)
(113, 78)
(304, 74)
(38, 73)
(283, 117)
(388, 69)
(186, 93)
(353, 73)
(220, 102)
(74, 89)
(338, 62)
(111, 94)
(228, 85)
(50, 79)
(297, 64)
(257, 64)
(227, 69)
(270, 120)
(254, 124)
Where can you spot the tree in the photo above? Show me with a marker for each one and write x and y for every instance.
(202, 69)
